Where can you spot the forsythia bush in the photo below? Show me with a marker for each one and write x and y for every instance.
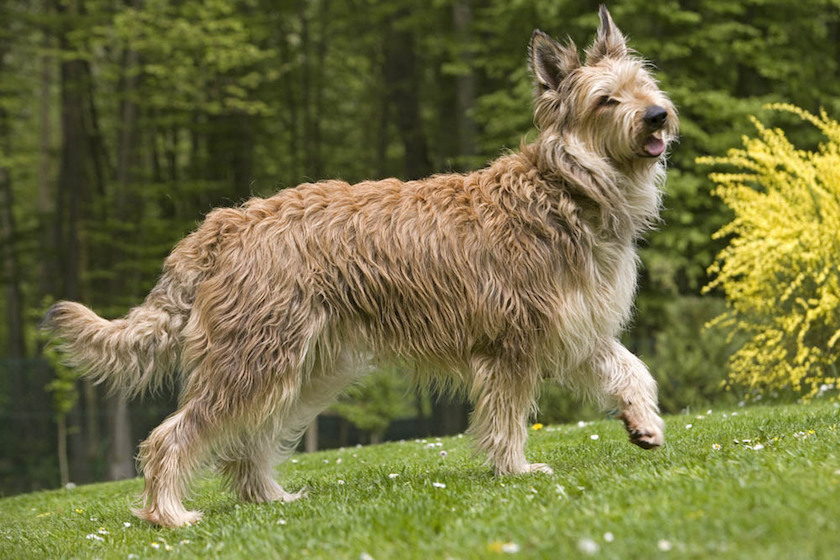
(780, 270)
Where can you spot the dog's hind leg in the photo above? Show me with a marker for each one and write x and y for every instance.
(251, 472)
(504, 394)
(623, 381)
(249, 469)
(328, 379)
(168, 458)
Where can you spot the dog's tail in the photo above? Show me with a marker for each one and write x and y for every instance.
(138, 352)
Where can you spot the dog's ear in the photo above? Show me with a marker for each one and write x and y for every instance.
(609, 42)
(551, 61)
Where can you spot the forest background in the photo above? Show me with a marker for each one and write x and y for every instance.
(123, 122)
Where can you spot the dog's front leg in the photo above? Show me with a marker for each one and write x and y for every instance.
(626, 384)
(503, 394)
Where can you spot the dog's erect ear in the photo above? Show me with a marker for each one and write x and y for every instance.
(551, 61)
(609, 42)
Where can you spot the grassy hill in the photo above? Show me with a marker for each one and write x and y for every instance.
(759, 482)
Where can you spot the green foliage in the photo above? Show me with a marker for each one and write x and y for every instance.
(375, 401)
(689, 361)
(63, 386)
(779, 270)
(766, 471)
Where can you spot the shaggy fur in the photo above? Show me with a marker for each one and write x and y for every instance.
(488, 282)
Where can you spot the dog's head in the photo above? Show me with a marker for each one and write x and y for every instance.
(610, 103)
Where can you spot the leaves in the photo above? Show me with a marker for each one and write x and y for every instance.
(779, 271)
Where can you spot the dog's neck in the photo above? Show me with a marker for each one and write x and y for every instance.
(625, 200)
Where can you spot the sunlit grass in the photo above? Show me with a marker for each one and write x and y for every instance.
(753, 483)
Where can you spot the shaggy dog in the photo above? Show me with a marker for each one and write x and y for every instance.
(486, 282)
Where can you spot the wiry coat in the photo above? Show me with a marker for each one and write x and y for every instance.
(488, 282)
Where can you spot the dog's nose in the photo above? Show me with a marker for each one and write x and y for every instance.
(655, 117)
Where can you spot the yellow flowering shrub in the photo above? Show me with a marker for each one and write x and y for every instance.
(780, 272)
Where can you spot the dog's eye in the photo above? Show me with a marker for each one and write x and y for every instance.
(607, 101)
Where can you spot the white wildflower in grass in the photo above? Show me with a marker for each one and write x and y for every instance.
(664, 545)
(608, 537)
(339, 481)
(594, 437)
(126, 524)
(510, 548)
(438, 484)
(103, 531)
(689, 426)
(716, 446)
(757, 447)
(393, 475)
(155, 545)
(294, 460)
(281, 521)
(588, 546)
(94, 537)
(443, 454)
(365, 556)
(184, 541)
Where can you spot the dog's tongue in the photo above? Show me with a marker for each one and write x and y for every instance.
(654, 146)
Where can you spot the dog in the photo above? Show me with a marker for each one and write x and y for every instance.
(486, 283)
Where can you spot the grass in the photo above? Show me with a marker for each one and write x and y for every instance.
(773, 493)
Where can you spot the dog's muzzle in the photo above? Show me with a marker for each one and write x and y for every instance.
(654, 119)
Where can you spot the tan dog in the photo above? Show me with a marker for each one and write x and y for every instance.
(488, 282)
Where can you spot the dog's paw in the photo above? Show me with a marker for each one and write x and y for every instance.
(524, 468)
(293, 496)
(539, 468)
(172, 519)
(647, 435)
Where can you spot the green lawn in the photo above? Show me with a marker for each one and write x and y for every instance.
(759, 482)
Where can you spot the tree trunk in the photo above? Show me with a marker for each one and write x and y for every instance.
(464, 84)
(121, 449)
(402, 83)
(311, 120)
(311, 439)
(128, 211)
(46, 195)
(72, 178)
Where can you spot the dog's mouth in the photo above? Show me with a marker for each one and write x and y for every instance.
(654, 145)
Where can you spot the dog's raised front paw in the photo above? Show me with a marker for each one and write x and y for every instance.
(647, 435)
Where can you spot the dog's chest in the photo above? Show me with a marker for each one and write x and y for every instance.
(599, 304)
